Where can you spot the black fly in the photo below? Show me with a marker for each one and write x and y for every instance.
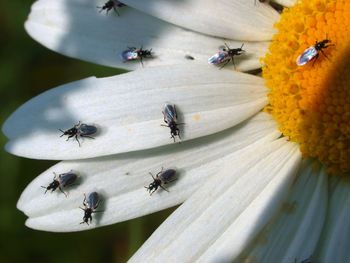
(90, 203)
(111, 4)
(226, 55)
(81, 130)
(313, 52)
(170, 118)
(133, 53)
(161, 179)
(61, 182)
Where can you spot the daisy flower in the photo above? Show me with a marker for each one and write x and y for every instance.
(263, 161)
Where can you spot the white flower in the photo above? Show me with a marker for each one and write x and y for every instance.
(247, 195)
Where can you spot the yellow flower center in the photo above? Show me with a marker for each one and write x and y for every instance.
(311, 103)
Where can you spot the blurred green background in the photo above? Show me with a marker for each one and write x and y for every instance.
(27, 69)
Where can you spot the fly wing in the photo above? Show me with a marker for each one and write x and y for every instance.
(168, 176)
(219, 58)
(170, 113)
(118, 3)
(67, 179)
(92, 200)
(87, 129)
(307, 55)
(129, 55)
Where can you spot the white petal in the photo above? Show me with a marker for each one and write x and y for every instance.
(294, 233)
(334, 245)
(238, 19)
(255, 179)
(287, 3)
(128, 111)
(76, 29)
(121, 179)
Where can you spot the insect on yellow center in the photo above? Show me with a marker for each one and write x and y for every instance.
(311, 103)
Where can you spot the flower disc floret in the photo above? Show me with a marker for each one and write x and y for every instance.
(311, 103)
